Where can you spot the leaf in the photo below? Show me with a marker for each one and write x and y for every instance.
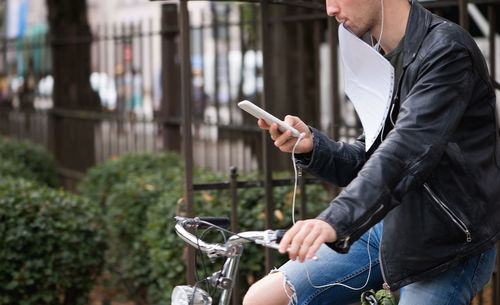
(207, 196)
(279, 215)
(149, 187)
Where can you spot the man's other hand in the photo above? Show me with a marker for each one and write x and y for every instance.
(305, 237)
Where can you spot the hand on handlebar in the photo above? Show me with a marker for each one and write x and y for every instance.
(285, 140)
(305, 237)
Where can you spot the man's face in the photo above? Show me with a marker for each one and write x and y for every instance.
(359, 16)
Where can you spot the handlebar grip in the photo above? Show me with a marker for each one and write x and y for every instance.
(279, 235)
(222, 222)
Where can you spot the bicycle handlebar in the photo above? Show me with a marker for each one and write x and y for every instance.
(267, 238)
(203, 222)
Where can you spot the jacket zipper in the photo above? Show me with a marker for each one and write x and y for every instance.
(449, 212)
(385, 286)
(346, 239)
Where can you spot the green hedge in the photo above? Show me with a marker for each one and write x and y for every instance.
(99, 179)
(51, 245)
(126, 208)
(11, 168)
(142, 192)
(125, 188)
(21, 158)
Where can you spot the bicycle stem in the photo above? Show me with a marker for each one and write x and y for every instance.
(228, 272)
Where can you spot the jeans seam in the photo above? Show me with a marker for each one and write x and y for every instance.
(454, 287)
(474, 275)
(342, 280)
(481, 262)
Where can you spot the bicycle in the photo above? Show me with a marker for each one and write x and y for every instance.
(232, 249)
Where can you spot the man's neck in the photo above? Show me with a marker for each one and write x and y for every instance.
(396, 14)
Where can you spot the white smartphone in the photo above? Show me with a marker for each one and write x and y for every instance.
(260, 113)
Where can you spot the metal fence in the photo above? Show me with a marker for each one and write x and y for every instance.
(139, 87)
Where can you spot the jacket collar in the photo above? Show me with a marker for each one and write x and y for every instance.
(419, 22)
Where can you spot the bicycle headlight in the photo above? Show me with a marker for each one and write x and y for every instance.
(188, 295)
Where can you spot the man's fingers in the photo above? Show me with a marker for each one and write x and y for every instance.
(293, 121)
(314, 248)
(274, 132)
(306, 237)
(307, 243)
(263, 125)
(285, 141)
(298, 245)
(287, 238)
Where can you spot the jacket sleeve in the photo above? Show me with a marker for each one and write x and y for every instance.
(335, 162)
(428, 116)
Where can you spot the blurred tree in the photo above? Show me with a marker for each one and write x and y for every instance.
(72, 133)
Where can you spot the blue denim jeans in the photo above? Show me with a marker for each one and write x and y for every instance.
(325, 280)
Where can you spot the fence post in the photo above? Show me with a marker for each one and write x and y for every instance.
(170, 71)
(266, 140)
(463, 14)
(187, 138)
(233, 185)
(73, 133)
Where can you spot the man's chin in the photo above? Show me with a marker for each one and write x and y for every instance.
(356, 31)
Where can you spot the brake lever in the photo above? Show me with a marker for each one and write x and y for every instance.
(272, 239)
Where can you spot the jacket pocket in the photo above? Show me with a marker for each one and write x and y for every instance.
(449, 213)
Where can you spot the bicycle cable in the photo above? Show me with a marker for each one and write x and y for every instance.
(199, 251)
(224, 230)
(202, 258)
(192, 300)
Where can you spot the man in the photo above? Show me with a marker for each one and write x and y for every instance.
(431, 183)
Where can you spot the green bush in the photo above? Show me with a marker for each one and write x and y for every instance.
(125, 188)
(102, 177)
(126, 208)
(28, 160)
(51, 245)
(145, 257)
(10, 168)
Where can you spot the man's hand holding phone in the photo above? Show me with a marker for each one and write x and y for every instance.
(284, 133)
(305, 237)
(286, 140)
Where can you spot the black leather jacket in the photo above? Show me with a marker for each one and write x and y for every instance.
(435, 177)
